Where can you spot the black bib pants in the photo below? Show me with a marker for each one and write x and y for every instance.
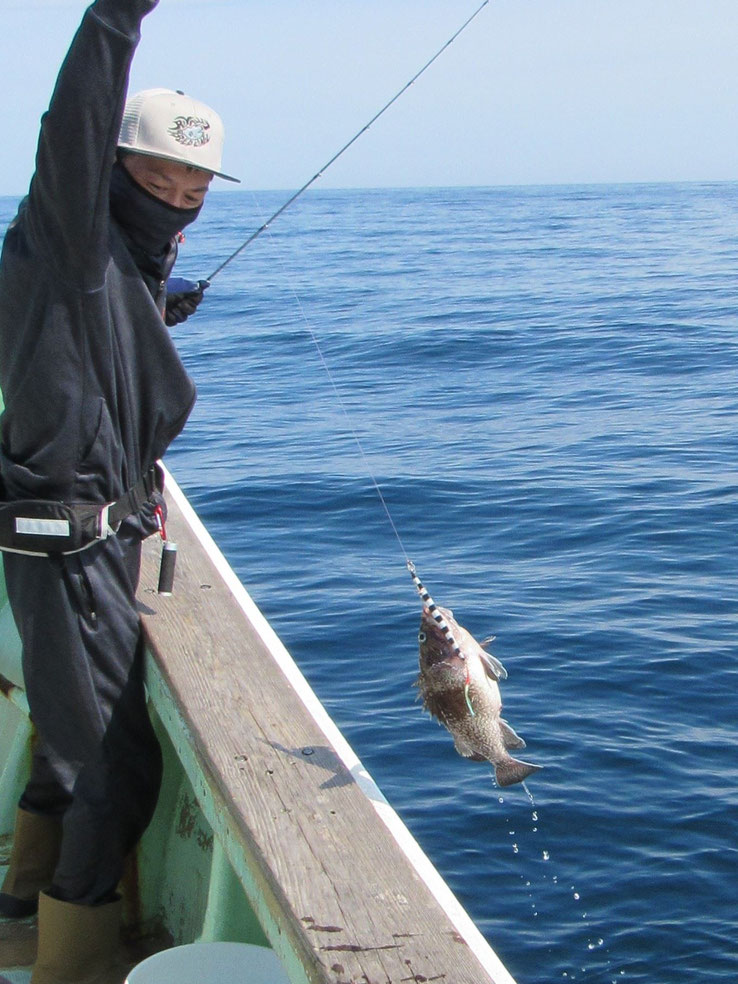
(97, 762)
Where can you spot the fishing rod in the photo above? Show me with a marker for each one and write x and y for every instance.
(346, 146)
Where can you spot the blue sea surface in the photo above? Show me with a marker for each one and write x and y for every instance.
(544, 383)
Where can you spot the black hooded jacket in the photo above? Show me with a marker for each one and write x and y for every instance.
(94, 388)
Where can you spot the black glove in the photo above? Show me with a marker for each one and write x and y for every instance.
(183, 296)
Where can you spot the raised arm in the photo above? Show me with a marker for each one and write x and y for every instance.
(68, 201)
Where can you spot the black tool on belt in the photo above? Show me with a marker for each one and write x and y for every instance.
(43, 526)
(168, 556)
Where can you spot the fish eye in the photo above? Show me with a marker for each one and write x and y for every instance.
(422, 636)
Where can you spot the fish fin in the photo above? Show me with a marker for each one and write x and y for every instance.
(467, 752)
(509, 738)
(485, 642)
(513, 770)
(492, 666)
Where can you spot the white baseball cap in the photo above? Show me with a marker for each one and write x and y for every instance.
(173, 126)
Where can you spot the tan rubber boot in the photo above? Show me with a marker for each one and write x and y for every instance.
(78, 944)
(34, 856)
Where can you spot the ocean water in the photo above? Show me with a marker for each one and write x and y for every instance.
(544, 384)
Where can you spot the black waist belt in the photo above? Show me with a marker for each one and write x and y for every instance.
(42, 526)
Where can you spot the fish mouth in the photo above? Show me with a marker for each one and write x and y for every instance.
(433, 660)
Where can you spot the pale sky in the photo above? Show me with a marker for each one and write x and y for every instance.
(534, 92)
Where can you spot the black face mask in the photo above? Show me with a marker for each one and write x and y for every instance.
(148, 222)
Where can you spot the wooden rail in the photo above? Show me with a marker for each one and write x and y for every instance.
(341, 889)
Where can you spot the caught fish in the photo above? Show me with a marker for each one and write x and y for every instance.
(458, 683)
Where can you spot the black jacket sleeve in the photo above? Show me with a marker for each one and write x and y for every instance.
(68, 205)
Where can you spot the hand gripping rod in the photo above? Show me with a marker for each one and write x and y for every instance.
(345, 147)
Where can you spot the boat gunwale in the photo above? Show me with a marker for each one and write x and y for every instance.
(383, 811)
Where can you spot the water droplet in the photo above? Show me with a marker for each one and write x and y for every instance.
(535, 815)
(576, 895)
(515, 848)
(546, 856)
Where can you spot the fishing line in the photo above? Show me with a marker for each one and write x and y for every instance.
(265, 226)
(341, 403)
(346, 146)
(425, 597)
(420, 587)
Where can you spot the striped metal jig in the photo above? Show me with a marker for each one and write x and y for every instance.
(433, 609)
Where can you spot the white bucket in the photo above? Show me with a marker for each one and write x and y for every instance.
(211, 963)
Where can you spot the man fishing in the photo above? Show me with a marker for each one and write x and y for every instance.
(94, 393)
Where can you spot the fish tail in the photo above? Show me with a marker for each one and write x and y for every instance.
(433, 609)
(512, 770)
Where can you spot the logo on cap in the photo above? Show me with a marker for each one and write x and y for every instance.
(192, 131)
